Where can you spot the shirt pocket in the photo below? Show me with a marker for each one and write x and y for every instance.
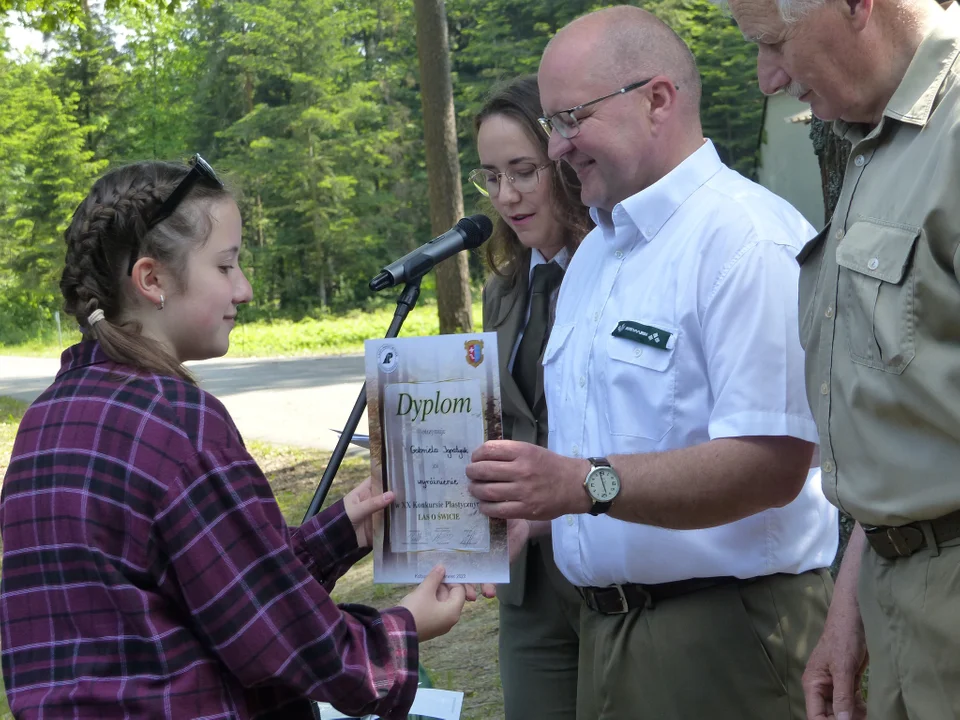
(876, 294)
(640, 385)
(811, 268)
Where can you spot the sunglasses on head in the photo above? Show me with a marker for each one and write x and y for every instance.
(199, 169)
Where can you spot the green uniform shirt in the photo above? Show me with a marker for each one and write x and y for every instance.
(880, 303)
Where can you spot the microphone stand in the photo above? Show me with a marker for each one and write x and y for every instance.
(405, 303)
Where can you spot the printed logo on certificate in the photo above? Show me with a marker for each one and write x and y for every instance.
(432, 401)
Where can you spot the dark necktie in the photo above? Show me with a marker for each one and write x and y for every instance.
(527, 369)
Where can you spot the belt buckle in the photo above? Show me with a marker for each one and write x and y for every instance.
(624, 605)
(898, 541)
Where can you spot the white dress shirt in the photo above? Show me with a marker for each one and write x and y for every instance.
(701, 267)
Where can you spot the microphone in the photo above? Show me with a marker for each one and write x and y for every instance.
(468, 233)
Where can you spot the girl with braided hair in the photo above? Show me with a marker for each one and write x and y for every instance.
(147, 570)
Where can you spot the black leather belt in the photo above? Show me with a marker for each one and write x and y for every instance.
(619, 599)
(904, 540)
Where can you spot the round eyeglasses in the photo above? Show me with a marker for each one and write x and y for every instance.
(524, 178)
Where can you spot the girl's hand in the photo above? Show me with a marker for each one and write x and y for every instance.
(361, 505)
(435, 606)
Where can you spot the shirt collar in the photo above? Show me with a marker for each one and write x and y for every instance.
(536, 258)
(916, 95)
(648, 210)
(83, 354)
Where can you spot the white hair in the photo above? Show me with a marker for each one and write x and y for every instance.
(793, 10)
(790, 11)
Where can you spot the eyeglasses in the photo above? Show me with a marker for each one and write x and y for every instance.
(566, 123)
(200, 169)
(524, 179)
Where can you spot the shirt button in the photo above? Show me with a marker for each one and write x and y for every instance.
(583, 381)
(619, 255)
(829, 312)
(827, 466)
(575, 451)
(824, 389)
(569, 519)
(596, 317)
(859, 161)
(638, 352)
(873, 264)
(839, 234)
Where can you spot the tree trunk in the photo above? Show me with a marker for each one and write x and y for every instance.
(443, 163)
(832, 152)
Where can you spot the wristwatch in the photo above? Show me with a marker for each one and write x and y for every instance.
(602, 485)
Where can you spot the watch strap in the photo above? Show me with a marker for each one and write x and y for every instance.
(599, 508)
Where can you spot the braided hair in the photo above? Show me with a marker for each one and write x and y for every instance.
(111, 225)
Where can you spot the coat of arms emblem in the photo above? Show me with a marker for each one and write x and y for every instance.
(474, 350)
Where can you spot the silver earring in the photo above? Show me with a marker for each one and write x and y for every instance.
(160, 306)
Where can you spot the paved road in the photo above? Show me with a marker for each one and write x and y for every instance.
(295, 401)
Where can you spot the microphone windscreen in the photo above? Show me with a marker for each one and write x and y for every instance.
(477, 229)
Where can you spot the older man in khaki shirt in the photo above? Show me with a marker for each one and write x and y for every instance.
(880, 323)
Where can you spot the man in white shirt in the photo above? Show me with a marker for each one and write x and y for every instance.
(679, 476)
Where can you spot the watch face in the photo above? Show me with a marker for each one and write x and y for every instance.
(603, 484)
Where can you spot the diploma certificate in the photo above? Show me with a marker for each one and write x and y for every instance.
(432, 401)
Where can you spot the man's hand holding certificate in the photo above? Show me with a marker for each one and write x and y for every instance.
(432, 402)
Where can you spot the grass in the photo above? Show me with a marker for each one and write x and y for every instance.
(465, 659)
(329, 335)
(49, 347)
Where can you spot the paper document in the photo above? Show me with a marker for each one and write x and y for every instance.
(429, 703)
(432, 401)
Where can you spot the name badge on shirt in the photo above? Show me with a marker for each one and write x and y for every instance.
(643, 334)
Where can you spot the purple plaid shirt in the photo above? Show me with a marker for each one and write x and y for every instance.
(148, 573)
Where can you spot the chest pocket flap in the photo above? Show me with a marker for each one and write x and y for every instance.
(878, 251)
(876, 308)
(628, 351)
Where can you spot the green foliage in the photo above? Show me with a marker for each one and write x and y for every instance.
(45, 170)
(732, 106)
(311, 110)
(51, 15)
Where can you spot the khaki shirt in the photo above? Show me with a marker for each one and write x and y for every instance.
(880, 303)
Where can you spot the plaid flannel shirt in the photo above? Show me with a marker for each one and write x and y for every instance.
(148, 572)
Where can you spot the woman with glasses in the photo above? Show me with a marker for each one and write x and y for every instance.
(147, 570)
(540, 223)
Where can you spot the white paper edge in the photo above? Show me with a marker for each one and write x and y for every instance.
(429, 702)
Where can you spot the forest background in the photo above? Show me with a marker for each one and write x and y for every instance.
(310, 108)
